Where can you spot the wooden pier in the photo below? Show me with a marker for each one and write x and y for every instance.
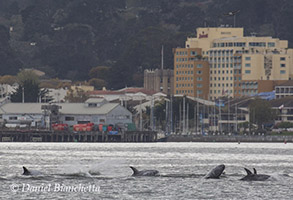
(67, 136)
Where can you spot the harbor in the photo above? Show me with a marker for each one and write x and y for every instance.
(133, 136)
(69, 136)
(260, 138)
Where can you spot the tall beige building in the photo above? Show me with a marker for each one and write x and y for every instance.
(191, 73)
(238, 63)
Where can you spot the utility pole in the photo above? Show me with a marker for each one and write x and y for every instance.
(187, 118)
(195, 119)
(22, 94)
(236, 125)
(167, 116)
(219, 123)
(197, 114)
(140, 114)
(184, 114)
(152, 114)
(171, 121)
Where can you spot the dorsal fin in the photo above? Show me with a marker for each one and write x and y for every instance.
(248, 171)
(135, 171)
(25, 171)
(254, 171)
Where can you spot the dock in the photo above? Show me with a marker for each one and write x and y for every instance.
(69, 136)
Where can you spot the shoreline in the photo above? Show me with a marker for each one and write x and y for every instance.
(229, 138)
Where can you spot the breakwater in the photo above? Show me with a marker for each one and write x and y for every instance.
(228, 138)
(68, 136)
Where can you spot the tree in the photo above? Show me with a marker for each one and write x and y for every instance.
(97, 83)
(79, 96)
(8, 79)
(28, 90)
(100, 72)
(261, 112)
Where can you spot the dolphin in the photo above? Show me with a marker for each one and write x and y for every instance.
(144, 172)
(254, 176)
(27, 172)
(216, 172)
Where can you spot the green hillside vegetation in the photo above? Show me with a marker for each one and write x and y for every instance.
(68, 38)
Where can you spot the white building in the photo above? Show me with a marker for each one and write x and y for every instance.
(97, 111)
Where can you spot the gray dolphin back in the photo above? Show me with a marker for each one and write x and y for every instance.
(216, 172)
(144, 172)
(254, 176)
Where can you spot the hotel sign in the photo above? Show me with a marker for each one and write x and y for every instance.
(203, 35)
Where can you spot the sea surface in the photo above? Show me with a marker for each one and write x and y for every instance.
(101, 170)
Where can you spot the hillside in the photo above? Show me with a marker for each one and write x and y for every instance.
(66, 38)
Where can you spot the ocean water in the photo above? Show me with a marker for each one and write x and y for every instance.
(101, 170)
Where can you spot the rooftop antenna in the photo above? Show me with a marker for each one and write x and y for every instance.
(162, 57)
(232, 13)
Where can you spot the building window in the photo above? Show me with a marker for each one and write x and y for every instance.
(247, 58)
(13, 118)
(199, 65)
(199, 78)
(271, 44)
(199, 85)
(282, 58)
(193, 53)
(283, 65)
(69, 118)
(247, 65)
(198, 72)
(283, 72)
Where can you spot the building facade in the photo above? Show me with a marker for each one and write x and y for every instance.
(191, 73)
(159, 80)
(97, 111)
(284, 89)
(237, 63)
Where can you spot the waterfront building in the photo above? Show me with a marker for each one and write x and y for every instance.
(283, 106)
(97, 111)
(239, 65)
(284, 90)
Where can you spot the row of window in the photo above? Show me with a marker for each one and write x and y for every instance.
(188, 66)
(223, 71)
(248, 92)
(186, 78)
(186, 72)
(249, 65)
(249, 71)
(188, 92)
(227, 59)
(185, 85)
(184, 92)
(223, 65)
(227, 85)
(221, 85)
(185, 53)
(188, 59)
(221, 92)
(223, 78)
(243, 44)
